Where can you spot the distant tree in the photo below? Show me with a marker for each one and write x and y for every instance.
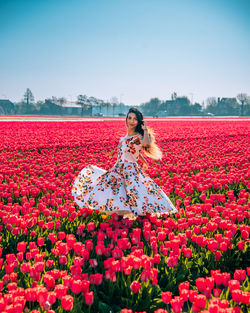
(178, 106)
(28, 97)
(222, 106)
(182, 106)
(107, 104)
(39, 104)
(247, 107)
(211, 105)
(96, 102)
(243, 99)
(114, 102)
(84, 102)
(203, 105)
(62, 100)
(196, 108)
(173, 96)
(122, 108)
(53, 99)
(211, 101)
(228, 106)
(101, 103)
(50, 107)
(27, 104)
(152, 107)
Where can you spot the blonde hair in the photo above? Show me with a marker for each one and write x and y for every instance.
(153, 151)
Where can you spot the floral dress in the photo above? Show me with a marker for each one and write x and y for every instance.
(124, 187)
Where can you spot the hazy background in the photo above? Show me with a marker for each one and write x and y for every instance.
(133, 50)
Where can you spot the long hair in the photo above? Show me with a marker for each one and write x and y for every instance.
(153, 151)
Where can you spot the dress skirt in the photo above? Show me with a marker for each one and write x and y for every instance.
(124, 187)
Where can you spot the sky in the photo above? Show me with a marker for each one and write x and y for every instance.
(134, 50)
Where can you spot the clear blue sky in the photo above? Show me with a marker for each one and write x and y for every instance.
(131, 49)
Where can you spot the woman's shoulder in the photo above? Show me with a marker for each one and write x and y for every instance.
(132, 136)
(138, 138)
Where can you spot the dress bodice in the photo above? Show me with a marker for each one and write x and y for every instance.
(129, 148)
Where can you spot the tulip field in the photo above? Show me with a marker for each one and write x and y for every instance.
(57, 257)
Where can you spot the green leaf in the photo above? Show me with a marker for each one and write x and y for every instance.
(105, 308)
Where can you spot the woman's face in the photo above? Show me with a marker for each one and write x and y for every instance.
(132, 121)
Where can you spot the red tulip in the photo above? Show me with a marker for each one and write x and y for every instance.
(187, 252)
(49, 281)
(248, 271)
(135, 286)
(236, 295)
(67, 281)
(161, 236)
(184, 294)
(166, 296)
(60, 291)
(176, 304)
(21, 246)
(41, 295)
(233, 284)
(192, 294)
(244, 234)
(240, 275)
(89, 298)
(245, 297)
(76, 286)
(67, 302)
(200, 283)
(241, 245)
(96, 279)
(40, 241)
(184, 285)
(200, 301)
(61, 235)
(91, 226)
(217, 255)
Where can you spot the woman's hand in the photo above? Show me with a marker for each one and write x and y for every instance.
(144, 125)
(146, 137)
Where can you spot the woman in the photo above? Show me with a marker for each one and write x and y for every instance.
(125, 188)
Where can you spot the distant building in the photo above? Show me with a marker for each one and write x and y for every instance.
(232, 101)
(227, 106)
(6, 107)
(71, 108)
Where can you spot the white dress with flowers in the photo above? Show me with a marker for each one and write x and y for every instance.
(124, 187)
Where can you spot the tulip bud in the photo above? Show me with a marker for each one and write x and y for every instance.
(89, 298)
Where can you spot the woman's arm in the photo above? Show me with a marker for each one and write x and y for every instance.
(146, 138)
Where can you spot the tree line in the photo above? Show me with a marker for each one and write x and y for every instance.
(176, 106)
(60, 106)
(182, 106)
